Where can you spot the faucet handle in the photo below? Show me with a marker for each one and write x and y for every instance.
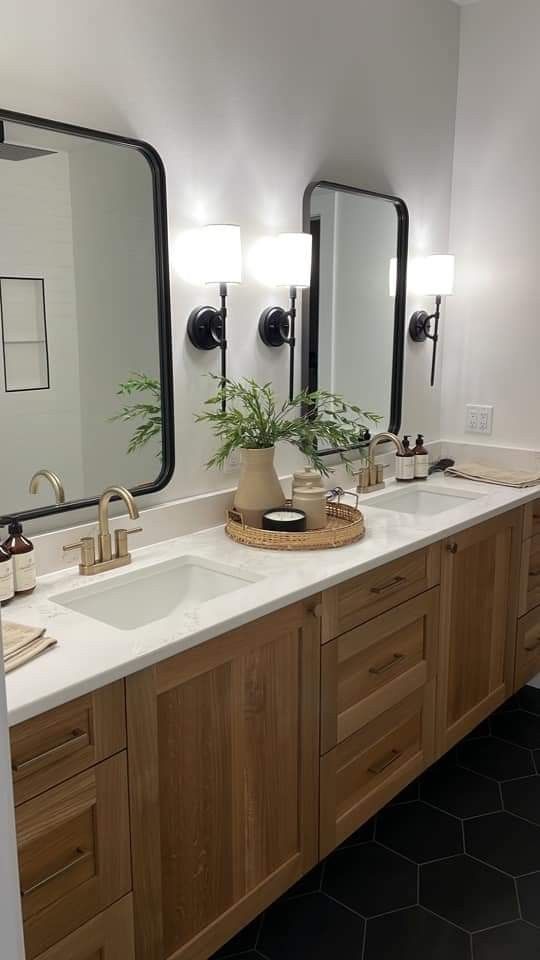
(121, 540)
(88, 550)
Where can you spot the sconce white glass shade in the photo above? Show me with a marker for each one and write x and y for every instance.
(293, 253)
(221, 252)
(436, 276)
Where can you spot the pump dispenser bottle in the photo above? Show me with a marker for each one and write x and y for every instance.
(22, 553)
(405, 462)
(421, 459)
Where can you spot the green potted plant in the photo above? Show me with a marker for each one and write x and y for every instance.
(146, 409)
(255, 420)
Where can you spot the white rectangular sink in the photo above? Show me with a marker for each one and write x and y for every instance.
(139, 597)
(422, 500)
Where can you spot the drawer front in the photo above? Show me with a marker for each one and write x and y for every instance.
(531, 525)
(371, 668)
(527, 648)
(363, 598)
(74, 852)
(363, 773)
(530, 575)
(108, 936)
(54, 746)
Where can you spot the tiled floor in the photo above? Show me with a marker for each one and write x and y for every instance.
(450, 870)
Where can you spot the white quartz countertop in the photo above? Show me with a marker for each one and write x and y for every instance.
(90, 654)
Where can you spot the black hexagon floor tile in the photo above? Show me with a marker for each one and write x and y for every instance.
(519, 727)
(312, 926)
(310, 883)
(529, 898)
(371, 879)
(495, 758)
(363, 835)
(522, 797)
(537, 760)
(459, 791)
(505, 842)
(407, 795)
(414, 934)
(482, 730)
(243, 942)
(469, 894)
(529, 699)
(513, 941)
(419, 832)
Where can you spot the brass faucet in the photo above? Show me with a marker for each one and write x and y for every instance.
(55, 482)
(103, 558)
(370, 477)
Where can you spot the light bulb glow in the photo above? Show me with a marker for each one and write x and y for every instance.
(221, 252)
(436, 276)
(293, 254)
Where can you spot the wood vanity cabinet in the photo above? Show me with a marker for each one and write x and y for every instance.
(479, 594)
(223, 745)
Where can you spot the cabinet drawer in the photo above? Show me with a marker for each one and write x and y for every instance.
(371, 668)
(531, 524)
(62, 742)
(108, 936)
(362, 598)
(74, 852)
(530, 575)
(527, 648)
(364, 772)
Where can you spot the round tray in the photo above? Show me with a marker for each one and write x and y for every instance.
(345, 525)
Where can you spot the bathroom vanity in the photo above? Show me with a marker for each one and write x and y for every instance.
(163, 808)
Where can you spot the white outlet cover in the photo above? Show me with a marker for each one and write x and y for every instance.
(479, 418)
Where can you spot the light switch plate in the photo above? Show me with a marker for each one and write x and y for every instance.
(479, 418)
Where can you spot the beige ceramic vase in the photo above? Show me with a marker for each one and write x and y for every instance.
(259, 489)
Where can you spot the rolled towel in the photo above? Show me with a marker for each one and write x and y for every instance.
(487, 474)
(21, 644)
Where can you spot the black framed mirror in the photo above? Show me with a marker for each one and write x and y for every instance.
(354, 311)
(86, 384)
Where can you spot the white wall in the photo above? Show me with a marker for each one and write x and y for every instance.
(491, 327)
(248, 101)
(41, 428)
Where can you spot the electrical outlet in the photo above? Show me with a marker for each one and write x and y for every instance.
(233, 462)
(479, 418)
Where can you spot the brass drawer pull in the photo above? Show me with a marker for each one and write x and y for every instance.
(387, 666)
(452, 547)
(76, 741)
(533, 647)
(534, 573)
(80, 857)
(386, 762)
(387, 586)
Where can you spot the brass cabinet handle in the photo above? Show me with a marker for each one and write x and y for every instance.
(534, 573)
(387, 666)
(386, 762)
(76, 741)
(387, 586)
(533, 647)
(452, 547)
(81, 856)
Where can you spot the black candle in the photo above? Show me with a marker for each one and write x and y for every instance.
(284, 520)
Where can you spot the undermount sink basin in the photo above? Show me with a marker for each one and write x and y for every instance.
(422, 500)
(139, 597)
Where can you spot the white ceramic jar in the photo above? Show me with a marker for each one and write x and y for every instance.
(312, 500)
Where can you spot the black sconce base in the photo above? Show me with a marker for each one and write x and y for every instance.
(420, 326)
(205, 328)
(274, 326)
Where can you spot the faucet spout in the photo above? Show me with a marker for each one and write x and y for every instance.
(53, 479)
(385, 438)
(104, 538)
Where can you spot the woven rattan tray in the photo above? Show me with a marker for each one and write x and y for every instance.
(345, 525)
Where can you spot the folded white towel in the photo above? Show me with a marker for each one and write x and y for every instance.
(487, 474)
(21, 644)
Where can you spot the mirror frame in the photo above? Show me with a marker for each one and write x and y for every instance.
(163, 305)
(309, 370)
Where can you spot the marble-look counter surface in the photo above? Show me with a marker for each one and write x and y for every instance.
(90, 654)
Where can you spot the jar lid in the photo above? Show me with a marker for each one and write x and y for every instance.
(308, 473)
(310, 491)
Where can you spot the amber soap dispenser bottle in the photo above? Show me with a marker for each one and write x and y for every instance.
(24, 560)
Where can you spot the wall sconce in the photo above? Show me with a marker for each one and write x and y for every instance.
(293, 270)
(435, 277)
(221, 263)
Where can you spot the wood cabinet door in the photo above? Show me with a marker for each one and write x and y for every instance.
(109, 936)
(223, 752)
(479, 596)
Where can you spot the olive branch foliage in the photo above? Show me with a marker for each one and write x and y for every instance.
(147, 411)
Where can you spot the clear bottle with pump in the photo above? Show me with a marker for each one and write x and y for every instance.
(21, 550)
(421, 459)
(7, 586)
(405, 462)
